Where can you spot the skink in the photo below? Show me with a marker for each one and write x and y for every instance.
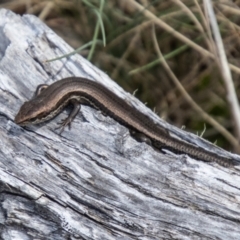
(50, 100)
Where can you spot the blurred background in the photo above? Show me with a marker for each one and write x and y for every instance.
(125, 39)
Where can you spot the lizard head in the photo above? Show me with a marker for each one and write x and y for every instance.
(30, 113)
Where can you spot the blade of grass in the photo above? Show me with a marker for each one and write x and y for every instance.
(96, 31)
(75, 51)
(223, 66)
(189, 99)
(158, 60)
(172, 31)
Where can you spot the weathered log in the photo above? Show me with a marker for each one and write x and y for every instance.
(95, 181)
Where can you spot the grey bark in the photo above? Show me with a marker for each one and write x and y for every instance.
(95, 181)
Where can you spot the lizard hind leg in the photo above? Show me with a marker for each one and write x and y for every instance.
(158, 146)
(140, 137)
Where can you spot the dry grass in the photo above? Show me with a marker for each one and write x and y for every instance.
(190, 87)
